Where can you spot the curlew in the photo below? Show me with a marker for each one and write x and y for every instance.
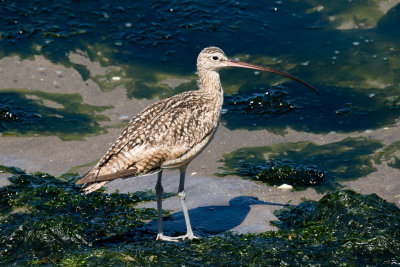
(170, 133)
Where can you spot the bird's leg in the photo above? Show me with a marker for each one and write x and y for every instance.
(182, 196)
(159, 193)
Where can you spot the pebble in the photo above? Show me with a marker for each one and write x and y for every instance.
(123, 117)
(285, 187)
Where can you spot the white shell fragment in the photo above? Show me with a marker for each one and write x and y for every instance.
(285, 187)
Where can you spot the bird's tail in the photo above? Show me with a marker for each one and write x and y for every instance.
(91, 187)
(92, 181)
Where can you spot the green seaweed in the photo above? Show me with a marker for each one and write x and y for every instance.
(356, 14)
(40, 213)
(47, 221)
(328, 164)
(345, 221)
(367, 15)
(20, 114)
(278, 173)
(389, 154)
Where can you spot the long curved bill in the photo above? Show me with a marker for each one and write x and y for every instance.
(236, 63)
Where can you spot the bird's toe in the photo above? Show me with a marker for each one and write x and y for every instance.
(163, 237)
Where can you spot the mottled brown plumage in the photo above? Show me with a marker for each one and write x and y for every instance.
(167, 134)
(170, 133)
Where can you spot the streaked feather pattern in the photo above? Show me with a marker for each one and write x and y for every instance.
(167, 134)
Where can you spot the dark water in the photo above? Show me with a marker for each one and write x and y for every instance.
(349, 50)
(349, 67)
(356, 69)
(22, 115)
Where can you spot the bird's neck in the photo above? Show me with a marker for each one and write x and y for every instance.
(211, 90)
(209, 81)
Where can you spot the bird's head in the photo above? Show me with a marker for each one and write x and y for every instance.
(213, 58)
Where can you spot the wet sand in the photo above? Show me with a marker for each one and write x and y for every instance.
(212, 201)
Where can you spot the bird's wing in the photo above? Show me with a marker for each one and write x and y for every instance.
(132, 132)
(165, 130)
(129, 134)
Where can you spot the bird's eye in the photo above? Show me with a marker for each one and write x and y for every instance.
(215, 57)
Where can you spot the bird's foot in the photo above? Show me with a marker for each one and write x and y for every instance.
(163, 237)
(189, 236)
(176, 238)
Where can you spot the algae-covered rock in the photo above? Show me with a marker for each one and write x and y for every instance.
(277, 173)
(48, 221)
(41, 215)
(343, 228)
(305, 163)
(346, 227)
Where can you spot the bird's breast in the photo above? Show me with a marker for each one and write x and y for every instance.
(185, 155)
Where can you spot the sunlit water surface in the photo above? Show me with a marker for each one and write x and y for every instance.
(349, 50)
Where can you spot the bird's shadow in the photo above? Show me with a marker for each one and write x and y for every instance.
(210, 220)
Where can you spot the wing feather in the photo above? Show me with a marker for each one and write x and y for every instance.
(163, 131)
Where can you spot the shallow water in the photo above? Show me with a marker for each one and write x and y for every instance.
(24, 112)
(306, 164)
(348, 50)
